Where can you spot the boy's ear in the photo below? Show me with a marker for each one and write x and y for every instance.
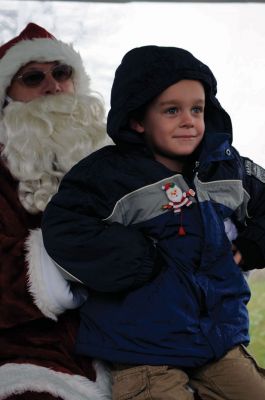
(136, 126)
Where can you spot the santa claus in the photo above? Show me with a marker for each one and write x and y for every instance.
(50, 119)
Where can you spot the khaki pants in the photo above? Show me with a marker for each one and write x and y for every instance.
(234, 377)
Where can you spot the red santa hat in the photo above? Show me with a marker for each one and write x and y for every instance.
(167, 186)
(34, 43)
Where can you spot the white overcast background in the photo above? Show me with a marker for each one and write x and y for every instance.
(229, 37)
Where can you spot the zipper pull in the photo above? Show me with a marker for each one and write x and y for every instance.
(196, 167)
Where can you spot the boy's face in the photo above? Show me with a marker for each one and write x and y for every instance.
(173, 124)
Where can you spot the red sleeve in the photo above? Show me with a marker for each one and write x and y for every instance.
(16, 305)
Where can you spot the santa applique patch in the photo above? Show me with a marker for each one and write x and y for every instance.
(177, 200)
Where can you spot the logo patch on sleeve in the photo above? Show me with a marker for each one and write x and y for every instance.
(255, 170)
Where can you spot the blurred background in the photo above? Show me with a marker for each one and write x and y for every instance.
(229, 37)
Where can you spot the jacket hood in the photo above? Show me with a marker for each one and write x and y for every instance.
(147, 71)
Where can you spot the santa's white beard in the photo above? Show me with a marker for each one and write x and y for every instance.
(44, 138)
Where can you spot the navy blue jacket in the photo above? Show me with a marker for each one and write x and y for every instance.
(156, 297)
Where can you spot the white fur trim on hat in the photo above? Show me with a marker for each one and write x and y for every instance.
(41, 50)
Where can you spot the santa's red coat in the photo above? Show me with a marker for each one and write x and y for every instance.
(37, 359)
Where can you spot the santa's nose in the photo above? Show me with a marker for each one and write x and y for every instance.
(51, 86)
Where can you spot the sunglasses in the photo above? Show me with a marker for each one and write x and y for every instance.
(34, 78)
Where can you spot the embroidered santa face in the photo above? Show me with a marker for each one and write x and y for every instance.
(173, 192)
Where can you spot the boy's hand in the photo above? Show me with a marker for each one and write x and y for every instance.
(237, 255)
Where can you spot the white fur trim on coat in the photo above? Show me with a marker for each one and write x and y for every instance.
(20, 378)
(41, 50)
(51, 293)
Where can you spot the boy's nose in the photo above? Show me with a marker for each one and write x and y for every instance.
(186, 119)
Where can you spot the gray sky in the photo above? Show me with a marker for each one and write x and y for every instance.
(229, 37)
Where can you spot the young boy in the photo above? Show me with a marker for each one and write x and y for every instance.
(142, 225)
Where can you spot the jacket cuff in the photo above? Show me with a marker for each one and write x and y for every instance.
(251, 252)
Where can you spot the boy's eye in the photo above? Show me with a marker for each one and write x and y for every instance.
(197, 109)
(171, 110)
